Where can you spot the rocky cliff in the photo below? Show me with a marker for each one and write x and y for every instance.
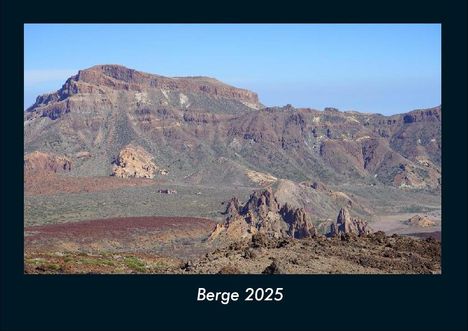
(207, 132)
(105, 80)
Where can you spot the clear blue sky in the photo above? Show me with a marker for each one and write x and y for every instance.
(383, 68)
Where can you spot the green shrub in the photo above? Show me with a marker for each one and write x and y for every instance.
(134, 263)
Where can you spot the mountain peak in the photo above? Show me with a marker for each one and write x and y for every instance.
(98, 74)
(104, 78)
(120, 72)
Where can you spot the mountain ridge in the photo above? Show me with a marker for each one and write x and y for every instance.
(120, 77)
(191, 126)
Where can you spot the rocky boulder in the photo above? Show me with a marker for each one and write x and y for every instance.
(274, 269)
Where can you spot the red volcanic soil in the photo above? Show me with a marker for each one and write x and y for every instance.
(182, 235)
(115, 227)
(48, 184)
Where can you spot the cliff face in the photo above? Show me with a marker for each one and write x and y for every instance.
(213, 133)
(105, 79)
(121, 78)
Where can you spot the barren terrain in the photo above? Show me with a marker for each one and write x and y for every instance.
(131, 172)
(375, 254)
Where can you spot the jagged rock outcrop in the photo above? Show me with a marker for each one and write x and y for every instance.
(300, 224)
(41, 162)
(346, 225)
(263, 214)
(232, 207)
(135, 162)
(344, 222)
(261, 202)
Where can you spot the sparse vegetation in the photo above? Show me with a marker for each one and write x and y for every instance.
(135, 263)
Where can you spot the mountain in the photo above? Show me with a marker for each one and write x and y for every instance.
(129, 172)
(198, 130)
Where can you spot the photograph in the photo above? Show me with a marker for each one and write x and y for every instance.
(232, 149)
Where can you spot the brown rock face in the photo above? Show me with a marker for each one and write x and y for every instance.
(134, 162)
(300, 224)
(40, 162)
(263, 214)
(420, 221)
(261, 202)
(344, 221)
(409, 176)
(345, 225)
(432, 114)
(120, 77)
(101, 79)
(232, 207)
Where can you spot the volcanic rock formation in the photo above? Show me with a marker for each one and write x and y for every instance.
(40, 162)
(263, 214)
(345, 225)
(133, 162)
